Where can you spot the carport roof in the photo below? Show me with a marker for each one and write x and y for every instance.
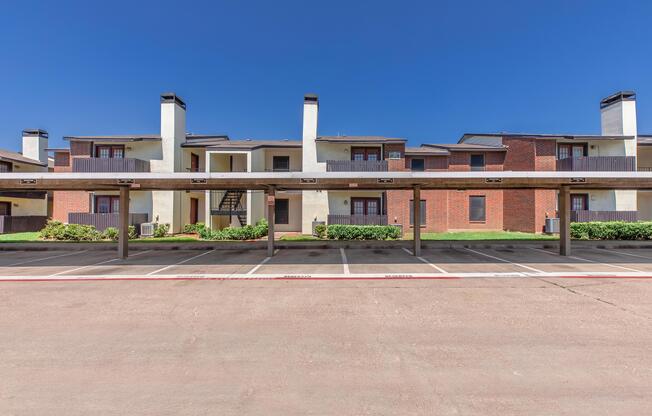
(326, 180)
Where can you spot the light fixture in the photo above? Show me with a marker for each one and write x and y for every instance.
(346, 202)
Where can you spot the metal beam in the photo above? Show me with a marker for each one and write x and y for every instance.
(325, 180)
(416, 217)
(564, 221)
(123, 235)
(271, 205)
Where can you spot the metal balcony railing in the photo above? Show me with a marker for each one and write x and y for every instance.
(96, 164)
(588, 216)
(357, 219)
(597, 164)
(103, 221)
(356, 166)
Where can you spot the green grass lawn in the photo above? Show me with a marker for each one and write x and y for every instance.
(484, 235)
(19, 237)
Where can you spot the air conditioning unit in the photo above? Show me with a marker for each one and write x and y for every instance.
(147, 229)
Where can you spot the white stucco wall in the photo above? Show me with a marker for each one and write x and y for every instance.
(339, 202)
(27, 206)
(294, 154)
(34, 148)
(294, 218)
(611, 200)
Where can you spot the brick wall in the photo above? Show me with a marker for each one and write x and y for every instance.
(458, 210)
(65, 202)
(398, 209)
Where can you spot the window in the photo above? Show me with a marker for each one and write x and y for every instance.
(365, 206)
(365, 153)
(579, 202)
(418, 165)
(107, 204)
(108, 152)
(282, 211)
(477, 162)
(394, 154)
(477, 208)
(5, 167)
(422, 213)
(281, 163)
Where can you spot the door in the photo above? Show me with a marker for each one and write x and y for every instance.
(194, 164)
(5, 208)
(194, 210)
(282, 211)
(109, 152)
(565, 151)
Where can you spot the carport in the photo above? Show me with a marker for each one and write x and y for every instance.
(272, 182)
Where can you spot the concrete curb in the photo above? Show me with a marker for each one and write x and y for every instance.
(316, 245)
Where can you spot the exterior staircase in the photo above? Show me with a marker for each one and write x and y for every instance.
(232, 202)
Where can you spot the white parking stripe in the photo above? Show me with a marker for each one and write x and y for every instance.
(591, 261)
(96, 264)
(505, 261)
(46, 258)
(259, 265)
(180, 263)
(434, 266)
(345, 262)
(629, 254)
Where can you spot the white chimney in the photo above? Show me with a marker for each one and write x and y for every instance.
(618, 118)
(310, 113)
(35, 143)
(173, 131)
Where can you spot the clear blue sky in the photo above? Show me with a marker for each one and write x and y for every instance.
(428, 71)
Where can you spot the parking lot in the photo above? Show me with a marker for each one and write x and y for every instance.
(353, 331)
(325, 263)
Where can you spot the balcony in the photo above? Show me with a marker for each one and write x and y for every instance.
(21, 223)
(104, 221)
(112, 165)
(597, 164)
(588, 216)
(357, 219)
(356, 166)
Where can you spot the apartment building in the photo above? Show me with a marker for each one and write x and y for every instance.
(617, 148)
(24, 211)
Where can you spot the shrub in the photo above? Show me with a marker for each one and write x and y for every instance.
(612, 230)
(320, 230)
(133, 233)
(161, 230)
(53, 230)
(193, 228)
(248, 232)
(363, 232)
(111, 233)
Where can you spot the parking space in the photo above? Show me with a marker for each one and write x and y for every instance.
(321, 263)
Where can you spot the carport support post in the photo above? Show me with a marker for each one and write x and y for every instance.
(271, 204)
(564, 221)
(416, 219)
(123, 235)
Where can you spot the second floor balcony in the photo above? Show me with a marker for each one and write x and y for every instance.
(597, 164)
(112, 165)
(356, 166)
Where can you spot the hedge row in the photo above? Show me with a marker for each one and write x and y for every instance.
(612, 230)
(56, 230)
(248, 232)
(360, 232)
